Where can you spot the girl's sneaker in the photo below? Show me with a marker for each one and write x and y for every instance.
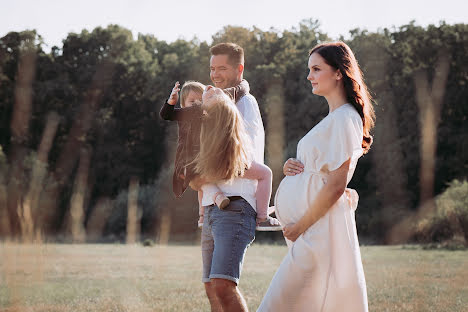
(221, 200)
(270, 225)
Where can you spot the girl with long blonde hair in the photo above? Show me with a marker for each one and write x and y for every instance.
(188, 118)
(225, 152)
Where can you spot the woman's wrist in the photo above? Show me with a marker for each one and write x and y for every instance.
(302, 226)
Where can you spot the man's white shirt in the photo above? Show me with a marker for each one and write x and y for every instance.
(248, 107)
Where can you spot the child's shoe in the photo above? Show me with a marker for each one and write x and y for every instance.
(221, 200)
(270, 225)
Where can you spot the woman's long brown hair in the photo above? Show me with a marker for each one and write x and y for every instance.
(339, 56)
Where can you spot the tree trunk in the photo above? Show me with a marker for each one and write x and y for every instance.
(19, 136)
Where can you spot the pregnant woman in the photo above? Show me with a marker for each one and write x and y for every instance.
(322, 270)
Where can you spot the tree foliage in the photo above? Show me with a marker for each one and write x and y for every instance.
(110, 86)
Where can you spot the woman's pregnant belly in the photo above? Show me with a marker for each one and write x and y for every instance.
(295, 194)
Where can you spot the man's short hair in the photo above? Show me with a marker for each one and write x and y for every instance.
(234, 52)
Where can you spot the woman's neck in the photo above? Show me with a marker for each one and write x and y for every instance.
(336, 99)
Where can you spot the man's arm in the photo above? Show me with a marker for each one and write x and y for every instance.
(237, 92)
(248, 107)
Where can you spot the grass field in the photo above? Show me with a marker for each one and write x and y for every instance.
(54, 277)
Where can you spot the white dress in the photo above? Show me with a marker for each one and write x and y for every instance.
(322, 270)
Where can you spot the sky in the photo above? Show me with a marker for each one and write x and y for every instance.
(186, 19)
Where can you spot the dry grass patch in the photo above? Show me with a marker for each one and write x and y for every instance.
(53, 277)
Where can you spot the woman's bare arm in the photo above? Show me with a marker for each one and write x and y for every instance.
(326, 198)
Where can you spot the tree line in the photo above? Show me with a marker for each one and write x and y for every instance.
(80, 132)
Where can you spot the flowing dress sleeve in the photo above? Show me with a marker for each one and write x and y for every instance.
(340, 139)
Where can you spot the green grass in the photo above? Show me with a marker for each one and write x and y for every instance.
(54, 277)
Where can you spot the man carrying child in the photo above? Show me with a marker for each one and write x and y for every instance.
(230, 210)
(225, 240)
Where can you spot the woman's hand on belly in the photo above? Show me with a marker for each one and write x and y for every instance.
(292, 231)
(292, 166)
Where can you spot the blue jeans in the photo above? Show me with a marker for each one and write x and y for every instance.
(226, 234)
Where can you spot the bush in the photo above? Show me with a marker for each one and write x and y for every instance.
(450, 217)
(148, 242)
(453, 203)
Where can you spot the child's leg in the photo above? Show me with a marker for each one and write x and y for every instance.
(264, 176)
(201, 209)
(212, 191)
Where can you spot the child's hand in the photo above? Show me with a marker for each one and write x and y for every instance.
(200, 221)
(174, 97)
(197, 182)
